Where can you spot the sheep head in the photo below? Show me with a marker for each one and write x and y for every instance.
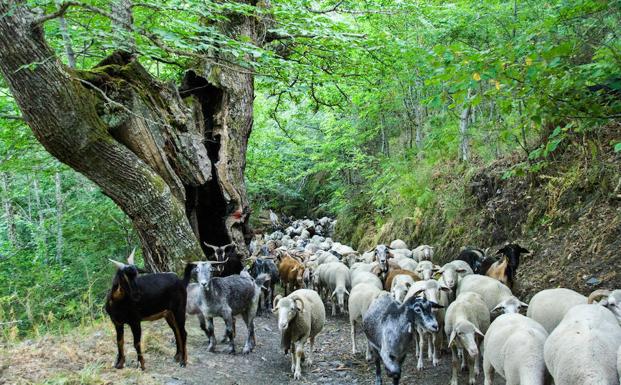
(287, 309)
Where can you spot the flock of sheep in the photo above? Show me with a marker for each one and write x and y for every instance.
(402, 300)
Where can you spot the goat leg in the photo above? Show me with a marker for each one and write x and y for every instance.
(137, 332)
(378, 367)
(120, 358)
(228, 321)
(211, 335)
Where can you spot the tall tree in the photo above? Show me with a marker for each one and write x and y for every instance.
(171, 159)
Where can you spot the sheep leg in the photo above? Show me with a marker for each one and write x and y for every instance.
(353, 337)
(309, 361)
(293, 357)
(421, 338)
(367, 355)
(471, 370)
(211, 335)
(299, 353)
(463, 360)
(455, 364)
(488, 371)
(120, 342)
(137, 332)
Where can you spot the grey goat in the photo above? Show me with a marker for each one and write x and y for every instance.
(224, 297)
(390, 326)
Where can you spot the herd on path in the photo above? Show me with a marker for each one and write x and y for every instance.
(399, 296)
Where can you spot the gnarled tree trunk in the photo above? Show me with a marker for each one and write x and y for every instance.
(171, 159)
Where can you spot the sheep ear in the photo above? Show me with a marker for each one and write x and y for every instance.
(417, 292)
(524, 305)
(436, 305)
(452, 338)
(461, 270)
(477, 331)
(130, 259)
(445, 288)
(276, 300)
(499, 308)
(333, 294)
(118, 264)
(436, 268)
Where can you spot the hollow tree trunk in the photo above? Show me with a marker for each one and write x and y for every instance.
(171, 159)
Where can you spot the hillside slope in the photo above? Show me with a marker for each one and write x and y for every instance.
(568, 214)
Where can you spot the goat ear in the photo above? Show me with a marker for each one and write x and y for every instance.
(118, 264)
(130, 259)
(452, 338)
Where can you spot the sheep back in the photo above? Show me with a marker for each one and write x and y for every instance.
(548, 307)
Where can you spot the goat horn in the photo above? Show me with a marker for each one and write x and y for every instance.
(219, 262)
(597, 294)
(118, 264)
(212, 246)
(130, 259)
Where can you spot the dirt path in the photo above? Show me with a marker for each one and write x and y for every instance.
(334, 363)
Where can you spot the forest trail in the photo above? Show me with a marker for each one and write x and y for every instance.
(87, 359)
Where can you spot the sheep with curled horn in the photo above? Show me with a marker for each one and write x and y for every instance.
(610, 299)
(134, 298)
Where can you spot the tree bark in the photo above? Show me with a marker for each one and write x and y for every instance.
(171, 159)
(122, 12)
(59, 217)
(8, 210)
(66, 39)
(464, 120)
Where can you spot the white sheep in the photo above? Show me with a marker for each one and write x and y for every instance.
(361, 297)
(398, 244)
(609, 299)
(422, 253)
(513, 347)
(426, 269)
(401, 284)
(582, 349)
(365, 277)
(548, 307)
(301, 316)
(465, 323)
(336, 277)
(462, 266)
(497, 296)
(407, 264)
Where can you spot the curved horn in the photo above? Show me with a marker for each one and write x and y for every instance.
(597, 294)
(298, 302)
(212, 246)
(130, 259)
(219, 262)
(118, 264)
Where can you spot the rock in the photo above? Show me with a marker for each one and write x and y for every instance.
(593, 281)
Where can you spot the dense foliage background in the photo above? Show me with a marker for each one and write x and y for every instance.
(369, 109)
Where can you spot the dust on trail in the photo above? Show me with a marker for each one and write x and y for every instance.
(85, 357)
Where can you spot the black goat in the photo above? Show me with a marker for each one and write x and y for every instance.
(134, 298)
(512, 251)
(477, 259)
(266, 266)
(229, 254)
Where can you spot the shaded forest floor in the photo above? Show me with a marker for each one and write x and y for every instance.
(85, 356)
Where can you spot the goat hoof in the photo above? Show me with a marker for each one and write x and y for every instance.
(182, 364)
(119, 364)
(211, 348)
(231, 351)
